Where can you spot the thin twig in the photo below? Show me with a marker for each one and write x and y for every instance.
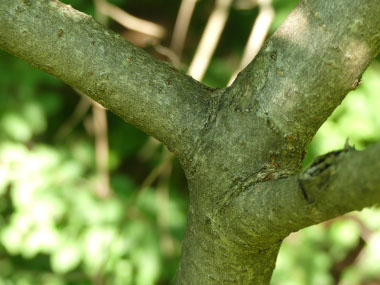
(166, 163)
(163, 219)
(129, 21)
(148, 149)
(158, 170)
(210, 39)
(181, 26)
(75, 118)
(170, 54)
(257, 37)
(103, 189)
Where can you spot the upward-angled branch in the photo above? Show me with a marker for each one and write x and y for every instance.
(311, 62)
(73, 47)
(303, 72)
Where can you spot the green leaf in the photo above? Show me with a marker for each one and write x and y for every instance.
(16, 127)
(66, 258)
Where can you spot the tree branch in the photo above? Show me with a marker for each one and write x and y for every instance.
(71, 46)
(335, 184)
(310, 63)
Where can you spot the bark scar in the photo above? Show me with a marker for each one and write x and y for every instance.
(315, 180)
(303, 190)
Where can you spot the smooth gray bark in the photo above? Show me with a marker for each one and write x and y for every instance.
(241, 147)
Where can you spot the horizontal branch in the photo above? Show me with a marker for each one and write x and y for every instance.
(310, 63)
(73, 47)
(335, 184)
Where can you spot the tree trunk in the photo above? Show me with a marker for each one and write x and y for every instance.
(241, 147)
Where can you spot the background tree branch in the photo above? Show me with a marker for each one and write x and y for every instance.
(73, 47)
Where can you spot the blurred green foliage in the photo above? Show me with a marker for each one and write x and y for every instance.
(54, 229)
